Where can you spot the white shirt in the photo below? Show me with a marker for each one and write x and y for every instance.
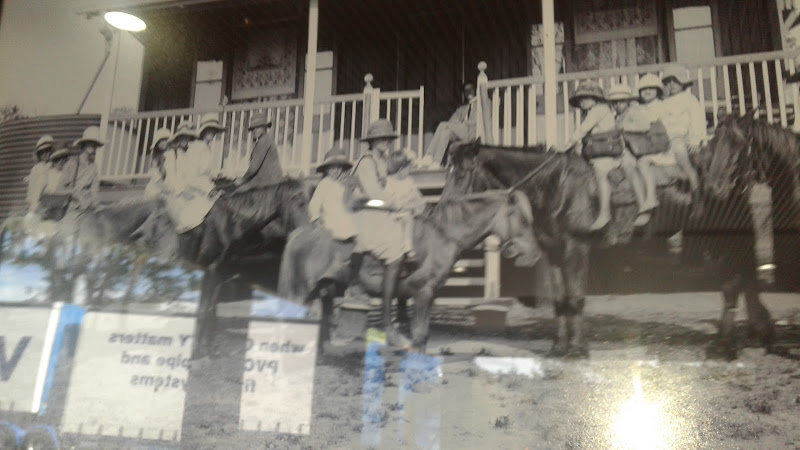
(599, 119)
(403, 194)
(37, 182)
(684, 117)
(327, 204)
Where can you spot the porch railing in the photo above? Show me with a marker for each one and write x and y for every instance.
(730, 85)
(339, 120)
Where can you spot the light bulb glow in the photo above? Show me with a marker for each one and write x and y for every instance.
(124, 21)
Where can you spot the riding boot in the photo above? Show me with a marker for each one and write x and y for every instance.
(391, 276)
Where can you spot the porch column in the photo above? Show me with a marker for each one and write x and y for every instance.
(309, 91)
(549, 42)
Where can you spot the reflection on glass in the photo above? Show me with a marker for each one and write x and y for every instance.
(641, 423)
(49, 267)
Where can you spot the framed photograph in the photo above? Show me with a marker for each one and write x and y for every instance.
(266, 65)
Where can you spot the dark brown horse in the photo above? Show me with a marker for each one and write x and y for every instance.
(562, 192)
(450, 228)
(748, 154)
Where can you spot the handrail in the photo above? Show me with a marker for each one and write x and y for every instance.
(339, 98)
(413, 93)
(602, 73)
(195, 111)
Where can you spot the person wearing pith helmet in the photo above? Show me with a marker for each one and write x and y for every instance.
(598, 122)
(205, 161)
(377, 229)
(328, 202)
(630, 119)
(37, 178)
(265, 164)
(162, 165)
(685, 121)
(82, 169)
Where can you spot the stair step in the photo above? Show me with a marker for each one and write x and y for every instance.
(465, 281)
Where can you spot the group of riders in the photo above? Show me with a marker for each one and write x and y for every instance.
(659, 127)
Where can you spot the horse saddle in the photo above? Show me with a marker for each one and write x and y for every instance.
(650, 142)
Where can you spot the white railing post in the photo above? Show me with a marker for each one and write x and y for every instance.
(367, 104)
(549, 44)
(311, 72)
(485, 120)
(491, 286)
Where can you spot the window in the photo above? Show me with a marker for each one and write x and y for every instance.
(208, 84)
(694, 36)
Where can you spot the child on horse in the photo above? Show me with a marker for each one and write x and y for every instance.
(403, 195)
(620, 97)
(327, 204)
(685, 121)
(601, 142)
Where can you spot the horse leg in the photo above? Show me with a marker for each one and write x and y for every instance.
(326, 295)
(561, 344)
(391, 276)
(402, 313)
(575, 274)
(725, 346)
(423, 312)
(758, 317)
(206, 314)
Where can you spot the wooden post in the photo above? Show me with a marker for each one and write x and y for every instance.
(484, 131)
(105, 116)
(310, 87)
(491, 286)
(549, 43)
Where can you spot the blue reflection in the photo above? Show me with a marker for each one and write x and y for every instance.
(421, 380)
(374, 376)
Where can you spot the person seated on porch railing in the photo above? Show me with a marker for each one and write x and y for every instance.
(81, 172)
(685, 121)
(38, 177)
(598, 125)
(462, 126)
(265, 164)
(208, 130)
(191, 183)
(163, 162)
(648, 119)
(377, 230)
(620, 97)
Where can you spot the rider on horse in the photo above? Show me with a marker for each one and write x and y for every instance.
(378, 230)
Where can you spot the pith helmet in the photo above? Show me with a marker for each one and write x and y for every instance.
(649, 81)
(379, 129)
(334, 157)
(620, 92)
(61, 150)
(45, 143)
(259, 120)
(587, 89)
(678, 73)
(90, 134)
(160, 134)
(209, 120)
(185, 128)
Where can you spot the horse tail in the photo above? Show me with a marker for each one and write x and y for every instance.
(292, 283)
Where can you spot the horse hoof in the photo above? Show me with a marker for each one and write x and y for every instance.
(558, 351)
(721, 351)
(578, 352)
(394, 338)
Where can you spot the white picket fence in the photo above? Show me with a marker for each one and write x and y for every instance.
(339, 121)
(730, 85)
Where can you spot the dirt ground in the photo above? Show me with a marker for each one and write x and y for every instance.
(646, 385)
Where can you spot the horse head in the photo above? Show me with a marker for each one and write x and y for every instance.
(728, 143)
(514, 226)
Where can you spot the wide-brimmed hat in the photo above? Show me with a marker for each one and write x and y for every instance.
(587, 89)
(334, 157)
(209, 120)
(185, 128)
(45, 143)
(651, 81)
(159, 135)
(61, 150)
(678, 73)
(90, 134)
(380, 129)
(619, 92)
(259, 120)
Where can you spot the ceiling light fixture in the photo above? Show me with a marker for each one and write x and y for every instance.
(124, 21)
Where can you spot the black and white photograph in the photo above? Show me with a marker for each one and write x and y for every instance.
(391, 224)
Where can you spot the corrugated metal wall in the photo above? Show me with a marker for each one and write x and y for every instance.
(17, 141)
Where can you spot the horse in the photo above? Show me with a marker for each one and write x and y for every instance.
(747, 153)
(454, 225)
(561, 188)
